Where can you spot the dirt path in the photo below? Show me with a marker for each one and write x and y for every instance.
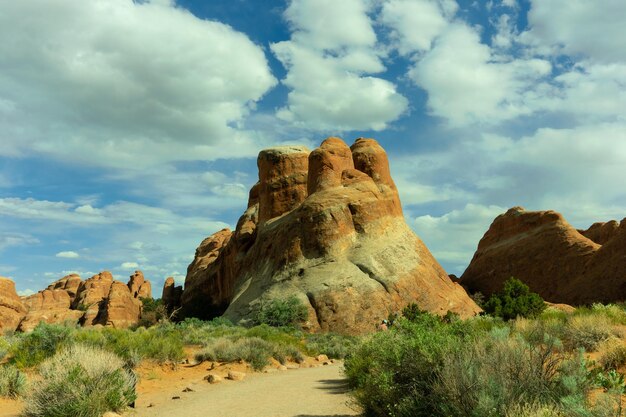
(307, 392)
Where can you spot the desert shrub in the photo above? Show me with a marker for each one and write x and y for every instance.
(153, 311)
(252, 349)
(34, 347)
(514, 300)
(614, 313)
(412, 312)
(612, 353)
(587, 331)
(282, 312)
(535, 410)
(4, 348)
(12, 381)
(393, 372)
(81, 381)
(330, 344)
(497, 373)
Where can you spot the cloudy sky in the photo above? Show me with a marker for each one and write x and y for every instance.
(129, 130)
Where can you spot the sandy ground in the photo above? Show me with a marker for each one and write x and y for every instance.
(305, 392)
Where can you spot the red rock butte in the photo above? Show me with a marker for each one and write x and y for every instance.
(560, 263)
(327, 227)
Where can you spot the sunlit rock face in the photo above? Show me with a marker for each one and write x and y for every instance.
(12, 311)
(562, 264)
(327, 227)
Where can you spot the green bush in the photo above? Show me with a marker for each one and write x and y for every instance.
(332, 345)
(612, 353)
(81, 381)
(282, 312)
(4, 348)
(254, 350)
(412, 312)
(33, 348)
(12, 381)
(514, 300)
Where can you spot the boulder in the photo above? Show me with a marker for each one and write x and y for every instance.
(12, 311)
(49, 306)
(341, 246)
(554, 259)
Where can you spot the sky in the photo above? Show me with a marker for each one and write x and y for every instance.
(129, 130)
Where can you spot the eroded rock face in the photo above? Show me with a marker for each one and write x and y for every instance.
(551, 257)
(12, 311)
(49, 306)
(171, 294)
(121, 308)
(91, 295)
(341, 245)
(139, 287)
(69, 283)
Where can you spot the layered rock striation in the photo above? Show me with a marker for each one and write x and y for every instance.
(12, 311)
(327, 227)
(562, 264)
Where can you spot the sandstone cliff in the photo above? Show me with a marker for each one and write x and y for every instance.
(327, 227)
(554, 259)
(12, 311)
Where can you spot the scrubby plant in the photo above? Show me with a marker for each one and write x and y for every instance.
(32, 348)
(4, 348)
(330, 344)
(514, 300)
(282, 312)
(81, 381)
(254, 350)
(12, 381)
(612, 353)
(587, 331)
(610, 380)
(412, 312)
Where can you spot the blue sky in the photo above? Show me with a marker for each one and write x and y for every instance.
(129, 130)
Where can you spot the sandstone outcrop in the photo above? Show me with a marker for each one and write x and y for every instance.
(554, 259)
(326, 227)
(12, 311)
(97, 301)
(50, 306)
(171, 295)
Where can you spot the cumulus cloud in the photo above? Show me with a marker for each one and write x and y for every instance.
(331, 52)
(578, 27)
(414, 24)
(124, 83)
(467, 83)
(68, 254)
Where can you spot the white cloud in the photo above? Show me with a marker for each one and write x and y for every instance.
(68, 255)
(572, 27)
(453, 237)
(129, 265)
(8, 239)
(123, 83)
(467, 84)
(415, 23)
(332, 48)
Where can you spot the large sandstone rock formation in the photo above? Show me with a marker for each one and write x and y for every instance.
(171, 295)
(12, 311)
(554, 259)
(327, 227)
(100, 300)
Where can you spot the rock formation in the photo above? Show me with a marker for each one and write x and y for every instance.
(554, 259)
(100, 300)
(327, 227)
(171, 294)
(50, 306)
(12, 311)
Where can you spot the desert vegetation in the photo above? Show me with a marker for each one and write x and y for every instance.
(551, 363)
